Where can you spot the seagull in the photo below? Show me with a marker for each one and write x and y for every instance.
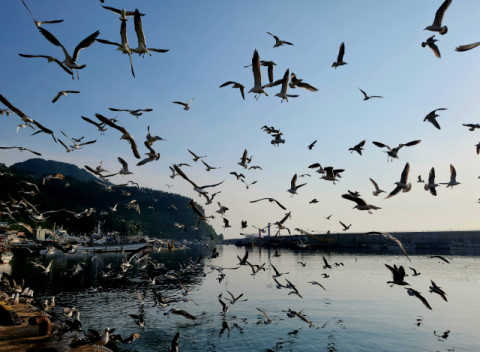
(283, 92)
(75, 145)
(377, 190)
(140, 319)
(70, 61)
(358, 148)
(209, 167)
(317, 283)
(440, 257)
(243, 261)
(126, 136)
(47, 269)
(430, 186)
(196, 158)
(243, 160)
(478, 148)
(420, 179)
(226, 223)
(22, 149)
(267, 319)
(195, 187)
(339, 61)
(295, 291)
(123, 13)
(431, 44)
(471, 126)
(152, 155)
(64, 92)
(393, 153)
(257, 75)
(462, 48)
(402, 185)
(312, 145)
(397, 274)
(123, 46)
(258, 167)
(248, 185)
(237, 175)
(50, 59)
(271, 200)
(437, 22)
(328, 217)
(38, 23)
(186, 105)
(278, 140)
(142, 46)
(361, 204)
(431, 117)
(235, 85)
(297, 83)
(369, 97)
(180, 312)
(313, 201)
(389, 237)
(292, 313)
(268, 64)
(136, 113)
(100, 126)
(453, 176)
(225, 307)
(417, 294)
(414, 272)
(124, 170)
(279, 42)
(235, 300)
(345, 227)
(435, 289)
(255, 271)
(331, 174)
(293, 186)
(277, 274)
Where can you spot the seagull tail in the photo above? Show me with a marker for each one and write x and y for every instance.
(408, 188)
(423, 46)
(443, 30)
(426, 187)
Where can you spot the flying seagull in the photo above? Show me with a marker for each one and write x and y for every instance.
(471, 126)
(430, 186)
(330, 174)
(271, 200)
(195, 157)
(297, 83)
(437, 22)
(151, 139)
(243, 160)
(70, 61)
(345, 227)
(142, 46)
(279, 42)
(293, 186)
(398, 274)
(268, 64)
(312, 145)
(358, 148)
(195, 187)
(431, 44)
(209, 167)
(75, 145)
(417, 294)
(136, 113)
(388, 237)
(339, 61)
(22, 149)
(126, 136)
(39, 23)
(152, 155)
(393, 153)
(248, 185)
(186, 105)
(369, 97)
(50, 59)
(123, 46)
(431, 117)
(453, 178)
(377, 189)
(402, 185)
(257, 75)
(235, 85)
(283, 92)
(64, 92)
(361, 204)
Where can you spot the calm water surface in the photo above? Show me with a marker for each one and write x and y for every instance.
(358, 312)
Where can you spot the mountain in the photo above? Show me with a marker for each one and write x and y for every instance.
(41, 167)
(78, 194)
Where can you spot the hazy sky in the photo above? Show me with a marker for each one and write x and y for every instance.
(209, 44)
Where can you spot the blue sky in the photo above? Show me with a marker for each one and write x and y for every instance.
(209, 44)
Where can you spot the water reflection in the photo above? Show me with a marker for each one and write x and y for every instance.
(357, 312)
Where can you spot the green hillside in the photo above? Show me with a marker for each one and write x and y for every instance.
(84, 194)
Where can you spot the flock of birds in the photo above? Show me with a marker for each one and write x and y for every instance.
(102, 124)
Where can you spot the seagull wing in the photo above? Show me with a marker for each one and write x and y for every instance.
(175, 342)
(178, 102)
(357, 200)
(266, 316)
(390, 237)
(462, 48)
(63, 144)
(106, 121)
(341, 52)
(5, 102)
(50, 37)
(441, 12)
(434, 122)
(381, 145)
(453, 175)
(139, 28)
(306, 86)
(57, 97)
(361, 144)
(281, 206)
(375, 185)
(257, 72)
(84, 44)
(293, 182)
(90, 142)
(431, 176)
(365, 94)
(29, 10)
(182, 174)
(90, 121)
(275, 269)
(412, 143)
(227, 83)
(394, 192)
(421, 298)
(435, 50)
(270, 73)
(342, 224)
(404, 177)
